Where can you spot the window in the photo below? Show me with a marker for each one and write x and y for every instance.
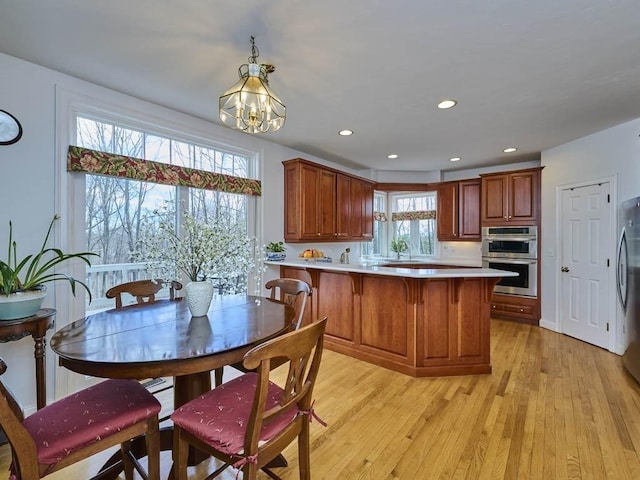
(116, 209)
(413, 219)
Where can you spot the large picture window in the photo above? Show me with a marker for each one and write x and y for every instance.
(118, 209)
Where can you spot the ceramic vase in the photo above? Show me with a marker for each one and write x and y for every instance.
(198, 296)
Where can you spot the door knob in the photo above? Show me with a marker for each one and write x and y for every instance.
(564, 269)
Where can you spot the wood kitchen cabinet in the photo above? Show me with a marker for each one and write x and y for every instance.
(458, 214)
(517, 308)
(325, 205)
(511, 198)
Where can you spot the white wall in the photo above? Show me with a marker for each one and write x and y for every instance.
(612, 153)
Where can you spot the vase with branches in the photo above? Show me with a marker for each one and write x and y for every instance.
(202, 251)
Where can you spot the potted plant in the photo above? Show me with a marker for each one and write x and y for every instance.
(398, 245)
(275, 251)
(216, 250)
(22, 281)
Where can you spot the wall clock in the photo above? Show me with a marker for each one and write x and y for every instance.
(10, 128)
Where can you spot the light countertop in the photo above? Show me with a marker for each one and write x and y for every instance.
(399, 271)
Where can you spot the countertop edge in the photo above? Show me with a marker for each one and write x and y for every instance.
(471, 272)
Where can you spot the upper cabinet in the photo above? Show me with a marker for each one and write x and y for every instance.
(458, 214)
(511, 198)
(325, 205)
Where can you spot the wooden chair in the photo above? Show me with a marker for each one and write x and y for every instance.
(143, 290)
(76, 427)
(249, 420)
(291, 291)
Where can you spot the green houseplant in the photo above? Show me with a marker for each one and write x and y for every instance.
(275, 251)
(22, 281)
(399, 245)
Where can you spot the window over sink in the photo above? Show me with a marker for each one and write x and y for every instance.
(408, 216)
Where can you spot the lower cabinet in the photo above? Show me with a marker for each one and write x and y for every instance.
(417, 326)
(520, 309)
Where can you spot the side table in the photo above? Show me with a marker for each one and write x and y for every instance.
(36, 326)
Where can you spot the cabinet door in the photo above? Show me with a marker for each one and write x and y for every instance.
(469, 209)
(495, 199)
(367, 211)
(344, 207)
(310, 198)
(326, 206)
(523, 196)
(447, 214)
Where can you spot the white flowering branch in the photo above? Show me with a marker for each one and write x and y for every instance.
(219, 249)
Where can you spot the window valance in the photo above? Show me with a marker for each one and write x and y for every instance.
(380, 216)
(416, 215)
(85, 160)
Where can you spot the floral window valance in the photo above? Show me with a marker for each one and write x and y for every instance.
(417, 215)
(85, 160)
(380, 216)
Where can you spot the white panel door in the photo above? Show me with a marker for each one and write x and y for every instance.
(586, 258)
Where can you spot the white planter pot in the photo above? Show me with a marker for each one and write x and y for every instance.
(198, 296)
(21, 304)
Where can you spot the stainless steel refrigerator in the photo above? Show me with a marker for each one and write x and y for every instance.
(628, 280)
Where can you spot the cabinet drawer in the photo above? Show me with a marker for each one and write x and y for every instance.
(522, 309)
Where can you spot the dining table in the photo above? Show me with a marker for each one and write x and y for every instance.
(162, 339)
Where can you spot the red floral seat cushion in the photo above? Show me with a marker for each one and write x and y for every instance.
(87, 416)
(220, 416)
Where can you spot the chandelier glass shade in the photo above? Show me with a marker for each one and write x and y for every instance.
(250, 104)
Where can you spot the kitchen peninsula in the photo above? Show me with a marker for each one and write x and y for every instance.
(418, 321)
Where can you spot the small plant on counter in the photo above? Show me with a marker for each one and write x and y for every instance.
(275, 247)
(275, 251)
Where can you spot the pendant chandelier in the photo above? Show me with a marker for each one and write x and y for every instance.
(250, 104)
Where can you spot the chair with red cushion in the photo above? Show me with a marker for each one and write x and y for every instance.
(291, 291)
(110, 413)
(249, 420)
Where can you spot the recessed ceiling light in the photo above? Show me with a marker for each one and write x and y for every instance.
(444, 104)
(345, 132)
(455, 159)
(510, 150)
(392, 155)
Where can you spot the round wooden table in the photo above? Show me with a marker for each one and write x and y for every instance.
(162, 339)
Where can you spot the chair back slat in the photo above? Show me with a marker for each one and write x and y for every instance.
(144, 291)
(22, 444)
(291, 291)
(303, 351)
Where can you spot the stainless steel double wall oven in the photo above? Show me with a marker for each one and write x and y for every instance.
(514, 249)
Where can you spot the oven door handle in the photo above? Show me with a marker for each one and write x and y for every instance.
(510, 239)
(510, 260)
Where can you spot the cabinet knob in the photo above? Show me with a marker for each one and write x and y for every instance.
(505, 217)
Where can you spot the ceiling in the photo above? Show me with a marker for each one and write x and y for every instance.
(529, 74)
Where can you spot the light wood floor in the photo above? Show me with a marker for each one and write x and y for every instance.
(553, 408)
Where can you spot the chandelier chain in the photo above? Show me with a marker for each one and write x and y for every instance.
(255, 53)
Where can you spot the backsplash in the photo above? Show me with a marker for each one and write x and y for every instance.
(469, 252)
